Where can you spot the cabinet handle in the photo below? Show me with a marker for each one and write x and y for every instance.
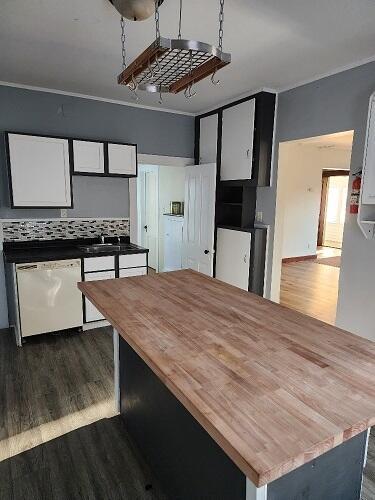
(248, 153)
(245, 258)
(206, 252)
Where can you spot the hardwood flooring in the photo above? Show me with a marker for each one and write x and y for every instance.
(310, 289)
(59, 438)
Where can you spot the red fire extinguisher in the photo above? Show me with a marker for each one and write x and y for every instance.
(354, 196)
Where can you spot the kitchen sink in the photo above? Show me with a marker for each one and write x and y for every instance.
(105, 247)
(99, 247)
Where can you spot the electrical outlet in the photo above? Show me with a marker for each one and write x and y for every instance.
(259, 217)
(63, 212)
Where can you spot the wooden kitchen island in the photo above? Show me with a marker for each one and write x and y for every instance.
(230, 396)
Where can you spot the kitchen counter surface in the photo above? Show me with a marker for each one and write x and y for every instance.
(22, 253)
(274, 388)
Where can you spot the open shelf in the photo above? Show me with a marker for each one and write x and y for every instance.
(235, 205)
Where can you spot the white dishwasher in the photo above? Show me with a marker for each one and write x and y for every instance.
(48, 297)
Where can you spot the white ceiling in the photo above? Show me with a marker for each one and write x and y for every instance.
(74, 45)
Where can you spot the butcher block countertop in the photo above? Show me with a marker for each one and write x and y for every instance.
(273, 388)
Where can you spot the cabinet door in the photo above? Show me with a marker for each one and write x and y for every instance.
(237, 141)
(91, 312)
(39, 171)
(139, 271)
(173, 232)
(208, 139)
(232, 257)
(88, 157)
(368, 183)
(122, 159)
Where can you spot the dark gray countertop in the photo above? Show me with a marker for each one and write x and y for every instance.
(40, 251)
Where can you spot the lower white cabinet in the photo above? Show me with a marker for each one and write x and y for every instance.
(233, 257)
(133, 260)
(136, 271)
(91, 312)
(173, 233)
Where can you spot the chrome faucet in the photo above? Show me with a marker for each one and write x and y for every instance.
(102, 239)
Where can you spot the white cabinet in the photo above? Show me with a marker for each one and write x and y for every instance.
(88, 157)
(368, 178)
(237, 141)
(133, 260)
(208, 139)
(233, 257)
(137, 271)
(105, 263)
(39, 170)
(173, 233)
(122, 159)
(91, 312)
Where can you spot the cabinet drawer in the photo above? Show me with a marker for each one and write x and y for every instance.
(134, 260)
(98, 263)
(136, 271)
(91, 312)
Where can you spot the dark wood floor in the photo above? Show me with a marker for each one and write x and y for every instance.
(59, 436)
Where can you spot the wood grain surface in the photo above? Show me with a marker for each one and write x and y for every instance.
(273, 388)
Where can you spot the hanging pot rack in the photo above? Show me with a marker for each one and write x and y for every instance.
(173, 65)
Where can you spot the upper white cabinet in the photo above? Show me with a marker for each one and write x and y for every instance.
(368, 177)
(122, 159)
(237, 141)
(233, 257)
(39, 169)
(208, 139)
(88, 157)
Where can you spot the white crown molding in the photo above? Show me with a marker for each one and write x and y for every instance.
(94, 98)
(321, 76)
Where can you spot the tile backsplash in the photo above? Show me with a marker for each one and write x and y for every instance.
(27, 230)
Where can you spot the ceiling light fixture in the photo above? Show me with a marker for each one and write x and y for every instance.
(168, 65)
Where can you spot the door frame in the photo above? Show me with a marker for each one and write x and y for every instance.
(148, 159)
(326, 174)
(143, 169)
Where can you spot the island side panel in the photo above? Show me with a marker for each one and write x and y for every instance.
(181, 454)
(335, 475)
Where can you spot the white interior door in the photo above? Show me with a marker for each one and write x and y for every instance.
(149, 211)
(198, 238)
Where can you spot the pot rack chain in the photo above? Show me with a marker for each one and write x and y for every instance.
(123, 43)
(170, 65)
(157, 20)
(221, 36)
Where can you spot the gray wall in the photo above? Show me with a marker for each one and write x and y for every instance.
(334, 104)
(155, 132)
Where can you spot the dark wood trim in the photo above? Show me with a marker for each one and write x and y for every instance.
(335, 173)
(322, 211)
(288, 260)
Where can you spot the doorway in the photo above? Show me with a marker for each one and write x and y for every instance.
(160, 205)
(312, 193)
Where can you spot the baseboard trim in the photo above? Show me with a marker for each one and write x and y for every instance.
(298, 259)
